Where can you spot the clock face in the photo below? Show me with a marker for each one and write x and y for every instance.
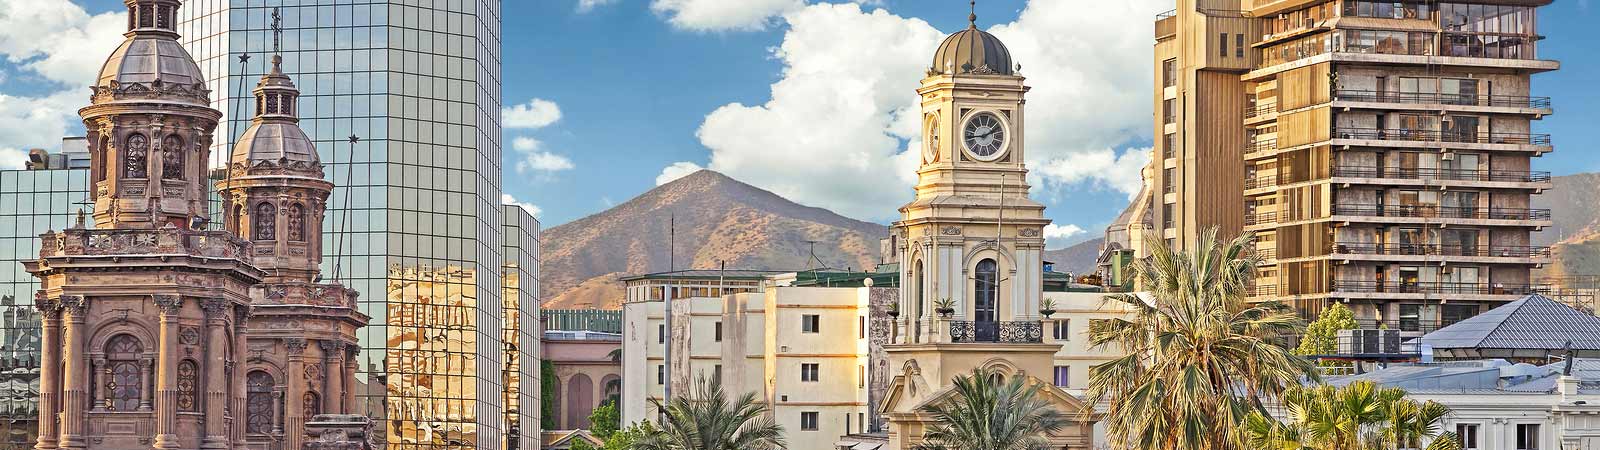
(931, 140)
(984, 136)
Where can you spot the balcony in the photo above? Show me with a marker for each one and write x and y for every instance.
(1261, 218)
(1437, 287)
(1502, 251)
(1444, 212)
(966, 331)
(1256, 148)
(1403, 173)
(1416, 98)
(1260, 110)
(1465, 137)
(1261, 291)
(1166, 24)
(1260, 181)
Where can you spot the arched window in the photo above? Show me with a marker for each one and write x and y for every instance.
(126, 386)
(297, 223)
(266, 222)
(258, 403)
(313, 404)
(172, 158)
(101, 162)
(917, 290)
(986, 287)
(188, 386)
(137, 154)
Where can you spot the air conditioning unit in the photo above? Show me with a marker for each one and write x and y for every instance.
(1369, 342)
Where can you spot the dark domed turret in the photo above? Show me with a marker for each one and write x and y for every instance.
(972, 51)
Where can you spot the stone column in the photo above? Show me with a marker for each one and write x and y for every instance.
(100, 371)
(294, 404)
(146, 383)
(241, 318)
(167, 372)
(332, 377)
(74, 393)
(216, 310)
(350, 366)
(49, 373)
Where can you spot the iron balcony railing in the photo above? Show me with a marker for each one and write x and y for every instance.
(1265, 145)
(1260, 218)
(1418, 98)
(1167, 14)
(1446, 212)
(1267, 290)
(1261, 181)
(1441, 174)
(993, 331)
(1418, 325)
(1437, 287)
(1504, 251)
(1457, 136)
(1260, 110)
(1267, 254)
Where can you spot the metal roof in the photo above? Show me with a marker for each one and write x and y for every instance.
(1535, 323)
(709, 274)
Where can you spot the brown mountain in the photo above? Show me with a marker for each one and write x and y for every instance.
(1076, 259)
(1575, 237)
(717, 219)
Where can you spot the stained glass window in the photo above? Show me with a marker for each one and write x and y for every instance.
(258, 403)
(266, 222)
(188, 387)
(172, 158)
(126, 385)
(313, 404)
(138, 153)
(297, 223)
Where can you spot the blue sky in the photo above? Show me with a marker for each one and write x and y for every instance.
(807, 100)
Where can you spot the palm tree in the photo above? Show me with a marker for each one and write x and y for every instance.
(1199, 357)
(1355, 417)
(990, 412)
(707, 420)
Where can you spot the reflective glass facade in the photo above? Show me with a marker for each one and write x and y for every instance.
(31, 203)
(415, 221)
(520, 287)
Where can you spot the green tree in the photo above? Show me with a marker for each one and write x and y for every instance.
(623, 439)
(707, 419)
(1359, 416)
(582, 445)
(1199, 357)
(606, 419)
(992, 412)
(547, 395)
(1321, 336)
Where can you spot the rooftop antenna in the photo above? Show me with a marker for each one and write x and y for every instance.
(344, 216)
(819, 264)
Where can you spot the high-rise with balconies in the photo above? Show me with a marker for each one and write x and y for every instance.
(1387, 152)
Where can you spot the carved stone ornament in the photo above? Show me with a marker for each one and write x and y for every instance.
(189, 335)
(329, 347)
(73, 305)
(215, 308)
(48, 307)
(950, 231)
(313, 371)
(169, 304)
(1029, 232)
(294, 346)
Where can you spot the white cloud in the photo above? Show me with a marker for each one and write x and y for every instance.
(537, 113)
(585, 6)
(532, 209)
(12, 159)
(836, 130)
(677, 170)
(723, 15)
(58, 39)
(35, 122)
(544, 162)
(525, 144)
(1057, 236)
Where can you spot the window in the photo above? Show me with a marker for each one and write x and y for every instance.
(126, 388)
(1527, 436)
(717, 330)
(312, 404)
(716, 373)
(1063, 330)
(1169, 73)
(1238, 45)
(808, 371)
(661, 333)
(861, 325)
(1468, 433)
(810, 323)
(172, 158)
(1169, 180)
(188, 386)
(1223, 44)
(986, 288)
(861, 376)
(266, 221)
(135, 163)
(661, 374)
(1166, 216)
(297, 223)
(808, 421)
(1168, 115)
(1169, 145)
(1063, 376)
(258, 403)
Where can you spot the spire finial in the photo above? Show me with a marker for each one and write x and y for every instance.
(972, 19)
(277, 40)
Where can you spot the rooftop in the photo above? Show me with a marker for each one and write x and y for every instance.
(706, 274)
(1534, 323)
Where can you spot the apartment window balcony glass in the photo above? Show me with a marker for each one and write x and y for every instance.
(1388, 9)
(1413, 173)
(1260, 218)
(1169, 73)
(1259, 146)
(1169, 112)
(1260, 181)
(1504, 251)
(1437, 287)
(1458, 134)
(1169, 145)
(1435, 98)
(1260, 110)
(1445, 212)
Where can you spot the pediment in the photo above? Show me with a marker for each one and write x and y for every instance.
(899, 400)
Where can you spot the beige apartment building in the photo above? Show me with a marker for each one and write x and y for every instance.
(1381, 149)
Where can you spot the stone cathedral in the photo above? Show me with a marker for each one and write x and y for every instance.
(158, 331)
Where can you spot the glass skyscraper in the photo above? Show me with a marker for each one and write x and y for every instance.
(415, 223)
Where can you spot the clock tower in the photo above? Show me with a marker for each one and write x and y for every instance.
(972, 236)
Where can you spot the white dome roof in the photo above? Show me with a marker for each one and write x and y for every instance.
(274, 141)
(146, 59)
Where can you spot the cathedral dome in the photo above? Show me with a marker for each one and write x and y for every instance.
(274, 141)
(147, 59)
(973, 51)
